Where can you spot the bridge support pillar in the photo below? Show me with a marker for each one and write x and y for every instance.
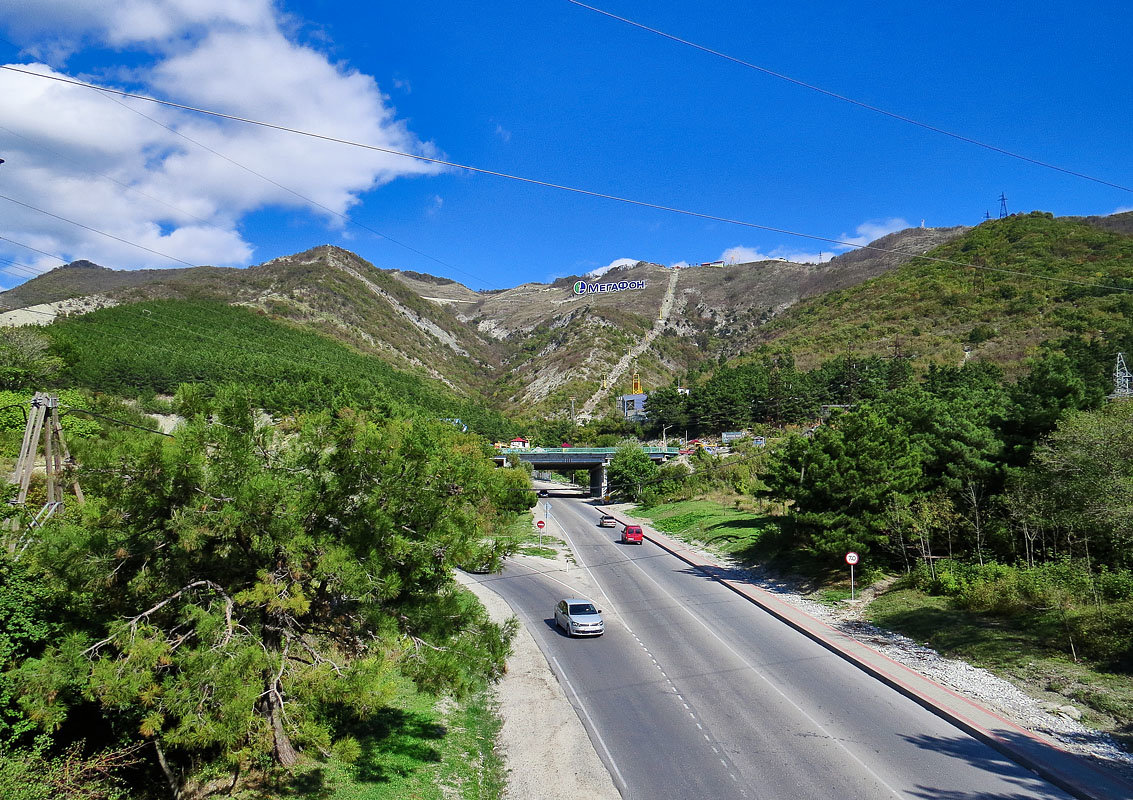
(598, 481)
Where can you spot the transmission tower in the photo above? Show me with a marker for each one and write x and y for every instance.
(1002, 205)
(1122, 380)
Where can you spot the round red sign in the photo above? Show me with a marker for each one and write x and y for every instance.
(851, 558)
(540, 524)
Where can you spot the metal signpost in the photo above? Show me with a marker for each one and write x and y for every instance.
(851, 559)
(540, 524)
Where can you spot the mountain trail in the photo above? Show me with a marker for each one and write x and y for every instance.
(624, 362)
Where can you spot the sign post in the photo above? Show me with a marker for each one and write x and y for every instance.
(851, 559)
(540, 524)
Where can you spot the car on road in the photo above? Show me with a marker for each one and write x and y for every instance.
(579, 617)
(544, 493)
(632, 534)
(606, 521)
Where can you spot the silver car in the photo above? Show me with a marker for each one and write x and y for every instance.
(579, 617)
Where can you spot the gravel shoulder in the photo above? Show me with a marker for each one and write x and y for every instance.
(548, 753)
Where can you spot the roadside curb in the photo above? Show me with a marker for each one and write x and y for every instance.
(1080, 777)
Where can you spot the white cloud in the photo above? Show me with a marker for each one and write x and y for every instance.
(742, 255)
(680, 265)
(748, 255)
(873, 230)
(865, 233)
(503, 132)
(615, 264)
(182, 200)
(1121, 209)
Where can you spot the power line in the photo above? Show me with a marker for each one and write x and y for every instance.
(33, 249)
(548, 184)
(110, 178)
(118, 421)
(845, 99)
(301, 196)
(96, 230)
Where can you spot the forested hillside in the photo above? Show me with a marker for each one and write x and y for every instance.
(933, 310)
(152, 347)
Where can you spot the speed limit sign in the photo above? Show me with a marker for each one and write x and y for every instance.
(851, 558)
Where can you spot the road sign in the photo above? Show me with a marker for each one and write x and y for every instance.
(851, 558)
(546, 506)
(540, 524)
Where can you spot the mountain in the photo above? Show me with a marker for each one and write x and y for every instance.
(529, 349)
(977, 298)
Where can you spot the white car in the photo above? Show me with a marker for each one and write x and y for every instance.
(579, 617)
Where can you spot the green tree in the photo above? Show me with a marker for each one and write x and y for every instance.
(230, 587)
(667, 408)
(630, 472)
(1086, 469)
(844, 481)
(25, 359)
(1052, 388)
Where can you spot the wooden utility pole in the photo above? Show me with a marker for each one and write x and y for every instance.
(43, 422)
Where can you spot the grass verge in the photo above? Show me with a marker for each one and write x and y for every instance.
(424, 748)
(1016, 649)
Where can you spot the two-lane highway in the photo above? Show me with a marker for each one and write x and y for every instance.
(694, 692)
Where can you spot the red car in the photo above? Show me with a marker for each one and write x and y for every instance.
(632, 533)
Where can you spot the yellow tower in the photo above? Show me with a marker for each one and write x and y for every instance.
(636, 382)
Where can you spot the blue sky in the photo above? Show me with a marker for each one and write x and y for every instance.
(549, 90)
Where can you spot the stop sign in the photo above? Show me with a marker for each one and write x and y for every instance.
(540, 524)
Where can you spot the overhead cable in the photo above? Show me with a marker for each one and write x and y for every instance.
(845, 99)
(546, 184)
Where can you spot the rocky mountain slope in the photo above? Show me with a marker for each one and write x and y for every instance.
(531, 348)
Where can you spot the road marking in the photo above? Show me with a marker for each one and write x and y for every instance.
(766, 680)
(625, 624)
(593, 727)
(586, 566)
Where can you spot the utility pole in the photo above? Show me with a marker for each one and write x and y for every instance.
(664, 441)
(572, 420)
(1002, 205)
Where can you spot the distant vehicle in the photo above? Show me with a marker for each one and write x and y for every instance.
(606, 521)
(579, 617)
(544, 493)
(632, 534)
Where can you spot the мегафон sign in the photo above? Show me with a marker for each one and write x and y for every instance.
(582, 287)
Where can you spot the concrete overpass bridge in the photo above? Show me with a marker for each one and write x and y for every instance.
(567, 459)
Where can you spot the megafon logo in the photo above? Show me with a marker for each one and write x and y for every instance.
(582, 287)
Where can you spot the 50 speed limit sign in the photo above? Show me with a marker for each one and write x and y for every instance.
(851, 558)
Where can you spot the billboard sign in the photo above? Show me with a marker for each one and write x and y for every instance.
(582, 287)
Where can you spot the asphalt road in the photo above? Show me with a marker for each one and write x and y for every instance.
(694, 692)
